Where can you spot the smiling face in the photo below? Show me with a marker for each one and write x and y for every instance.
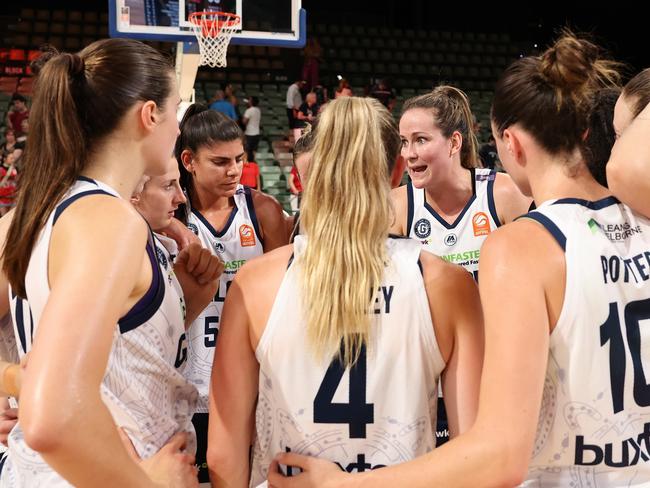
(428, 153)
(160, 197)
(216, 169)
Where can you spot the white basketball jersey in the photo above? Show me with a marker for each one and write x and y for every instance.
(459, 242)
(143, 389)
(236, 243)
(594, 426)
(379, 413)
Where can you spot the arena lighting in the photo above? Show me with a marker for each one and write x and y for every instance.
(339, 77)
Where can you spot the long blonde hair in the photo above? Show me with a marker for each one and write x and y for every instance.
(346, 214)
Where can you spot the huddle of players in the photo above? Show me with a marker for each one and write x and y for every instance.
(300, 366)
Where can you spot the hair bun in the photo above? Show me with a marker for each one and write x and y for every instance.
(568, 64)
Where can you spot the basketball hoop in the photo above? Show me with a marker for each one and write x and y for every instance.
(213, 30)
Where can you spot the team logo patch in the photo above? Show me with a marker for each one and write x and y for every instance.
(161, 257)
(422, 228)
(481, 224)
(218, 247)
(246, 235)
(450, 239)
(193, 228)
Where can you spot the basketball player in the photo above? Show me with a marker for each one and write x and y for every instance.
(157, 201)
(90, 297)
(624, 168)
(233, 221)
(328, 368)
(450, 205)
(564, 359)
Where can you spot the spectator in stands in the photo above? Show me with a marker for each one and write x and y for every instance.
(9, 146)
(229, 92)
(488, 153)
(343, 89)
(21, 140)
(8, 178)
(295, 186)
(294, 101)
(313, 55)
(220, 104)
(384, 93)
(306, 113)
(17, 113)
(250, 175)
(251, 120)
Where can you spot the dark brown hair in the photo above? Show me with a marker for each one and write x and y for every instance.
(551, 96)
(79, 99)
(637, 91)
(200, 127)
(601, 136)
(451, 113)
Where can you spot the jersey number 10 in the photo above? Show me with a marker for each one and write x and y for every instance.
(611, 332)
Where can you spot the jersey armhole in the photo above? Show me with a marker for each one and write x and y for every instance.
(491, 203)
(550, 226)
(410, 211)
(150, 302)
(252, 214)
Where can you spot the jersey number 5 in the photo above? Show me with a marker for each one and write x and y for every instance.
(611, 332)
(357, 413)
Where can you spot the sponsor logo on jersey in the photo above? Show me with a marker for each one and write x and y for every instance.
(246, 235)
(614, 232)
(627, 452)
(459, 257)
(450, 239)
(481, 224)
(161, 257)
(193, 228)
(219, 247)
(233, 266)
(422, 228)
(488, 177)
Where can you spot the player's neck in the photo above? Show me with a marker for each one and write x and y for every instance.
(451, 190)
(107, 164)
(553, 180)
(205, 201)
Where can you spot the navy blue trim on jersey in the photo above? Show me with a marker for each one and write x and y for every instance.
(596, 205)
(208, 225)
(251, 212)
(446, 224)
(395, 236)
(150, 302)
(410, 205)
(469, 203)
(20, 324)
(290, 261)
(2, 460)
(420, 266)
(66, 203)
(490, 195)
(89, 180)
(550, 226)
(532, 206)
(296, 227)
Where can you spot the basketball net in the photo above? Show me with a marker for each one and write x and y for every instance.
(214, 30)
